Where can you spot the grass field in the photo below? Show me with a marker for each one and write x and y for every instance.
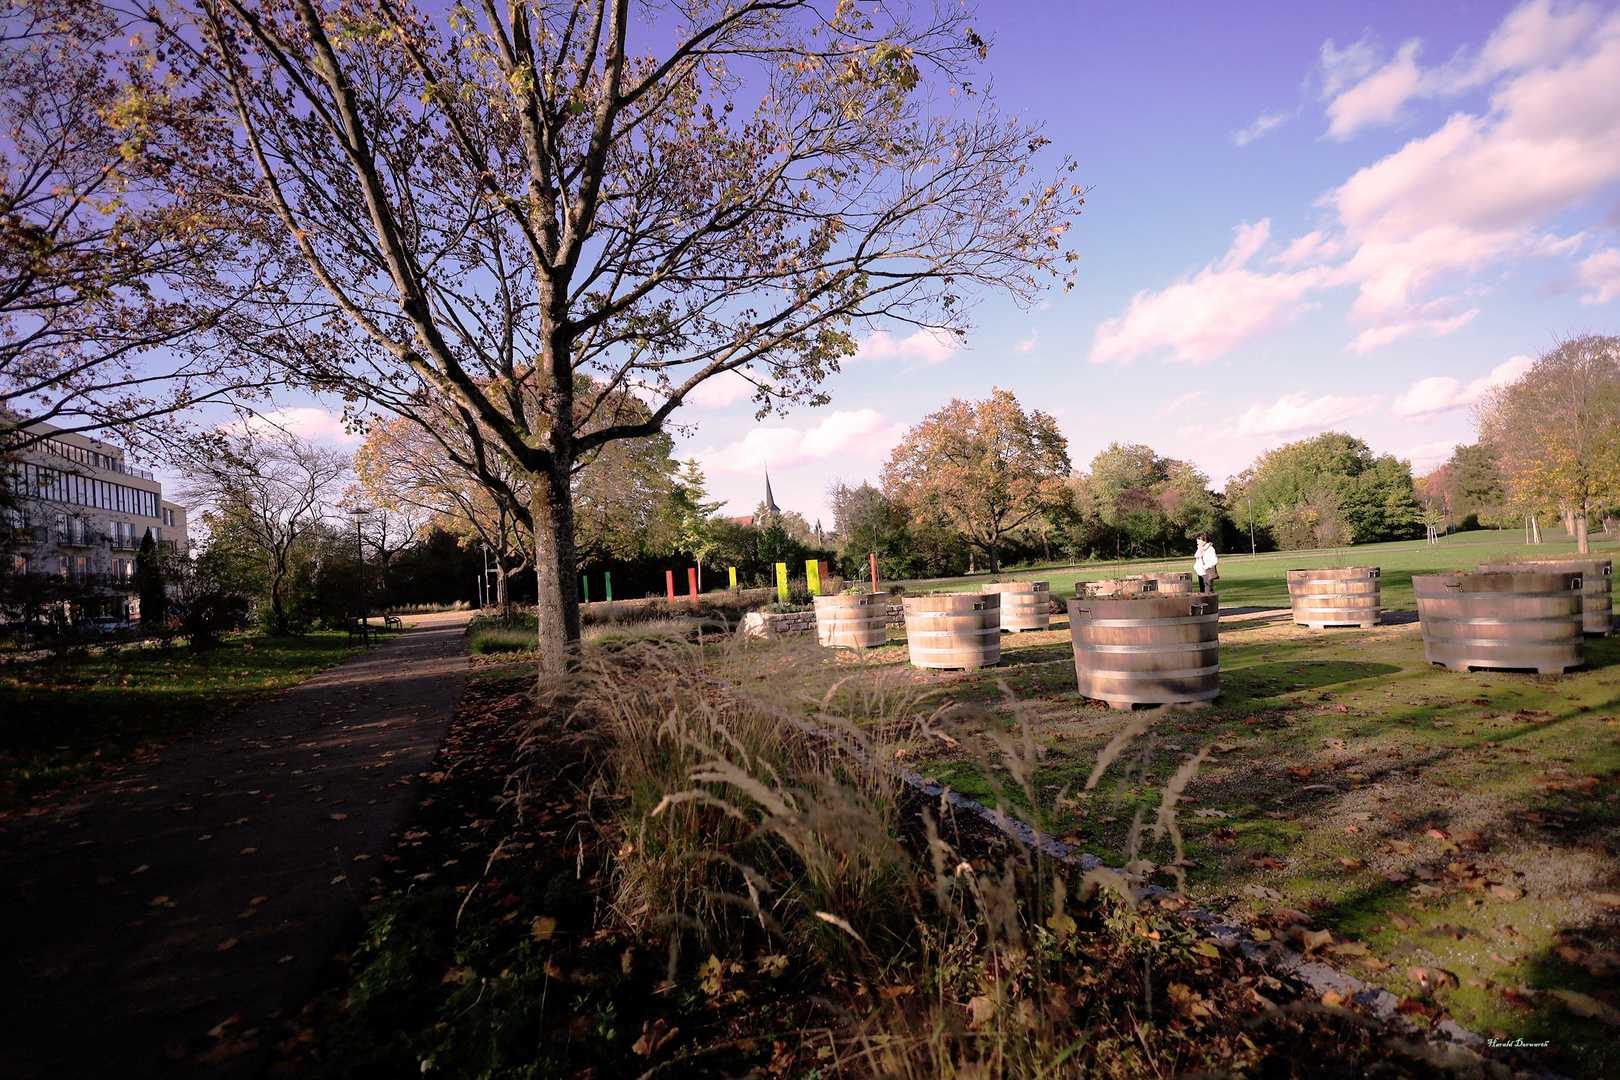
(1260, 581)
(65, 718)
(1460, 829)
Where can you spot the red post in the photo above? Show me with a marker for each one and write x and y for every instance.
(874, 572)
(691, 583)
(821, 567)
(669, 584)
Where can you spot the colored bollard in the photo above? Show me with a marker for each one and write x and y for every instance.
(733, 570)
(691, 584)
(584, 589)
(812, 576)
(874, 572)
(826, 575)
(669, 585)
(607, 587)
(781, 582)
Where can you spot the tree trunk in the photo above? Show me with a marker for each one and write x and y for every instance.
(557, 584)
(995, 559)
(1581, 543)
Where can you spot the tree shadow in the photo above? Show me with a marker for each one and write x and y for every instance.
(1283, 677)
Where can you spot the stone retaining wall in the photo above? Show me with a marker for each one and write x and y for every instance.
(763, 624)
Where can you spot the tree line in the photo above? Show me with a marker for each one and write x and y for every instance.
(516, 240)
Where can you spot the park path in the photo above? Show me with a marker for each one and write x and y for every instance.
(201, 891)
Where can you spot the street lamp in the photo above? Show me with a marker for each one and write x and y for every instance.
(360, 513)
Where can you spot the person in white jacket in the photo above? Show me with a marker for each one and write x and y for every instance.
(1204, 560)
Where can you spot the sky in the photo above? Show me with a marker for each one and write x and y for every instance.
(1302, 217)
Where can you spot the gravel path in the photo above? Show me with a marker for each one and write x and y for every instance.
(154, 923)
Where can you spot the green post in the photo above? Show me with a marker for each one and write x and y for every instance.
(584, 589)
(607, 586)
(733, 570)
(812, 576)
(781, 582)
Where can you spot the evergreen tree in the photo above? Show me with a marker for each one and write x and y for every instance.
(149, 586)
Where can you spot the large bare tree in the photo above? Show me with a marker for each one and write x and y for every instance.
(490, 204)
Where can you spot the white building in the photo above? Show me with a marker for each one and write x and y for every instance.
(82, 512)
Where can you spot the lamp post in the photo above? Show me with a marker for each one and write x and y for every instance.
(360, 513)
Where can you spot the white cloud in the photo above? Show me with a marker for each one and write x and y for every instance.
(866, 434)
(1296, 412)
(721, 390)
(1362, 92)
(1600, 272)
(927, 346)
(1201, 318)
(1264, 124)
(1477, 192)
(1028, 343)
(1425, 457)
(1375, 97)
(1441, 393)
(316, 425)
(1342, 68)
(1185, 399)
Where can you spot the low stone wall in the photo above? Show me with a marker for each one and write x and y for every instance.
(762, 624)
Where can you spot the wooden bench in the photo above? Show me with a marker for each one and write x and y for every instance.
(355, 626)
(392, 622)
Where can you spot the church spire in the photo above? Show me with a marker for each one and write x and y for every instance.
(770, 503)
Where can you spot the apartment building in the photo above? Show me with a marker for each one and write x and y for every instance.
(82, 511)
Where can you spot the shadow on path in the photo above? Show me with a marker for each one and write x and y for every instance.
(212, 881)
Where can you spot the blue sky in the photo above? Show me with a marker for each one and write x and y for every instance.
(1302, 217)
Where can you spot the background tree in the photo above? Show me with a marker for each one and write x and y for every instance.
(149, 584)
(988, 468)
(1474, 488)
(487, 204)
(694, 512)
(266, 493)
(106, 254)
(1556, 431)
(1329, 490)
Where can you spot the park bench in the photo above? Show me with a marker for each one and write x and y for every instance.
(392, 622)
(355, 626)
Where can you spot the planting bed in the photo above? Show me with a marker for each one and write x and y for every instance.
(503, 939)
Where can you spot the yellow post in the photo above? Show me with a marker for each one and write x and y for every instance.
(812, 576)
(733, 570)
(781, 582)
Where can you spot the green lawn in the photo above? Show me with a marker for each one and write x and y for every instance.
(65, 718)
(1260, 581)
(1458, 831)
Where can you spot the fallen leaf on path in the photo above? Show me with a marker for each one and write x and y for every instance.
(248, 851)
(542, 928)
(1607, 899)
(1351, 864)
(1505, 892)
(1315, 939)
(226, 945)
(1402, 922)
